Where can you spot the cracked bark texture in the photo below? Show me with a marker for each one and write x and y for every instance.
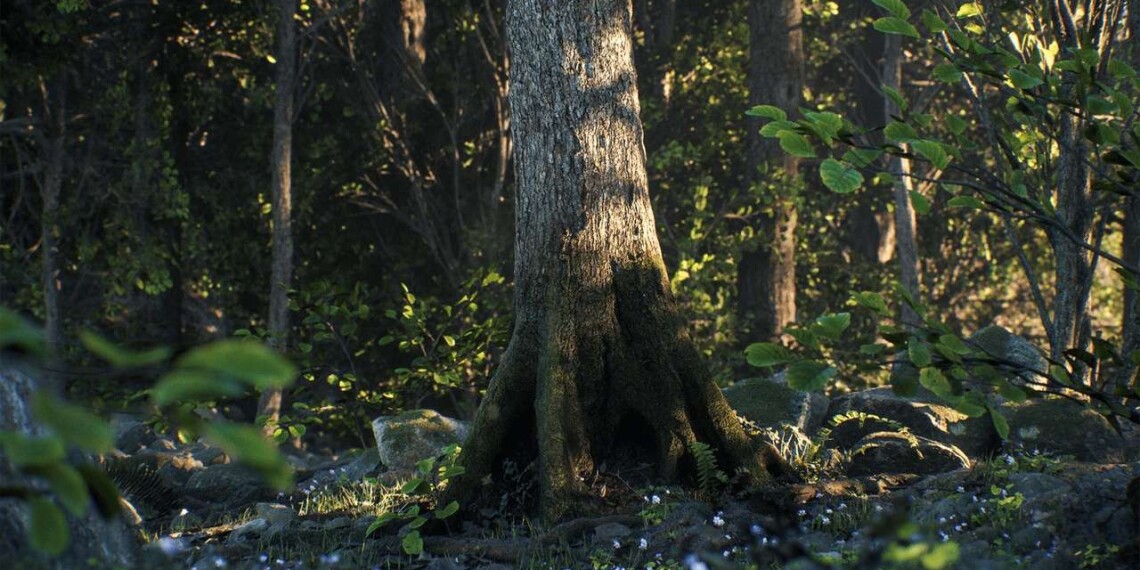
(598, 355)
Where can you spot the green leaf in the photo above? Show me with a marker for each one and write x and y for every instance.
(826, 124)
(414, 486)
(28, 451)
(965, 202)
(808, 375)
(839, 177)
(384, 518)
(450, 509)
(895, 25)
(918, 352)
(15, 331)
(1022, 80)
(101, 489)
(932, 379)
(969, 408)
(768, 111)
(1000, 424)
(895, 7)
(832, 326)
(954, 344)
(249, 446)
(795, 144)
(956, 124)
(933, 22)
(181, 385)
(871, 300)
(861, 157)
(68, 486)
(895, 97)
(121, 357)
(941, 555)
(872, 349)
(773, 129)
(48, 530)
(74, 424)
(413, 543)
(920, 203)
(250, 362)
(417, 522)
(933, 152)
(1011, 392)
(947, 73)
(899, 132)
(764, 354)
(969, 10)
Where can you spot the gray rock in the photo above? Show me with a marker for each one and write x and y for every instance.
(924, 416)
(131, 433)
(1021, 355)
(1065, 427)
(890, 452)
(1033, 485)
(110, 542)
(608, 532)
(232, 485)
(771, 402)
(274, 513)
(405, 439)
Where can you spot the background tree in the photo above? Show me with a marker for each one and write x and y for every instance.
(599, 359)
(767, 274)
(281, 280)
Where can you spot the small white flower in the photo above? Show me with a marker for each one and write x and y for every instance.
(170, 545)
(656, 500)
(1009, 460)
(941, 520)
(263, 558)
(718, 521)
(961, 489)
(878, 508)
(842, 506)
(803, 513)
(694, 563)
(183, 512)
(617, 544)
(219, 562)
(642, 544)
(756, 530)
(824, 520)
(828, 510)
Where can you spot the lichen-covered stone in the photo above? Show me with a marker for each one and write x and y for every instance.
(1065, 427)
(923, 417)
(771, 402)
(1001, 344)
(892, 452)
(405, 439)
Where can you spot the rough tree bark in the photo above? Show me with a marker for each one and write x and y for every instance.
(269, 406)
(766, 275)
(599, 359)
(906, 243)
(54, 128)
(1130, 249)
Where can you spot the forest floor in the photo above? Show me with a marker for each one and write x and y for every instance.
(1013, 510)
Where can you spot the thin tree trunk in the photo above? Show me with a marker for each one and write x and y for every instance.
(55, 108)
(599, 368)
(766, 275)
(269, 406)
(906, 243)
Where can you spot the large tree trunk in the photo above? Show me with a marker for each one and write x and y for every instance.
(1130, 249)
(906, 243)
(282, 275)
(766, 275)
(599, 359)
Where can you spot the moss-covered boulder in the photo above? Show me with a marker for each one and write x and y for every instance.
(405, 439)
(893, 452)
(923, 415)
(1065, 427)
(770, 402)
